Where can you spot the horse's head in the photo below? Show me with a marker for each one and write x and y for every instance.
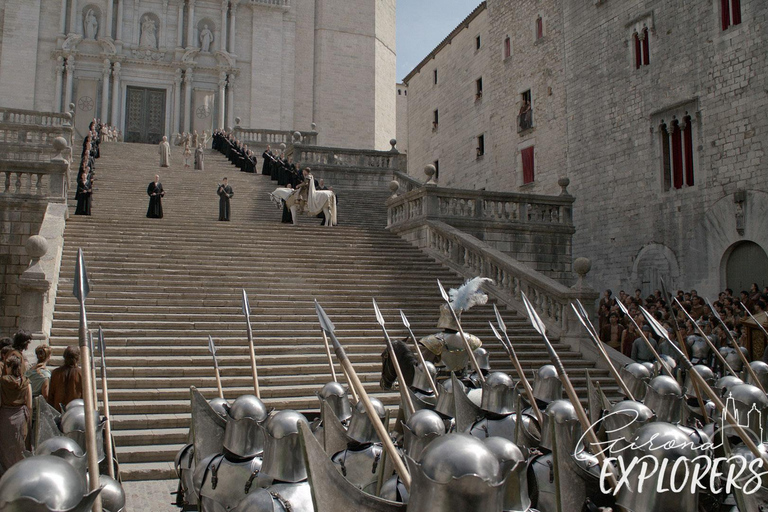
(405, 358)
(388, 374)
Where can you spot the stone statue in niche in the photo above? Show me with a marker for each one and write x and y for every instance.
(148, 33)
(206, 38)
(91, 25)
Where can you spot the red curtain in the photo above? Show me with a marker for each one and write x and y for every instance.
(646, 48)
(725, 9)
(688, 141)
(638, 52)
(539, 28)
(736, 5)
(507, 48)
(677, 156)
(527, 165)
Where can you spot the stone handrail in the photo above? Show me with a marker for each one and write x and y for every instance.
(282, 3)
(264, 136)
(41, 181)
(346, 158)
(405, 182)
(33, 117)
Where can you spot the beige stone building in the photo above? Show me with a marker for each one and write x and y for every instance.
(159, 67)
(656, 111)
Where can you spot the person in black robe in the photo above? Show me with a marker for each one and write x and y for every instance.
(156, 193)
(266, 156)
(225, 194)
(83, 195)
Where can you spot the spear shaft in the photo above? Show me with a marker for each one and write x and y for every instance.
(421, 355)
(252, 348)
(330, 359)
(706, 339)
(105, 399)
(648, 344)
(212, 350)
(393, 357)
(467, 347)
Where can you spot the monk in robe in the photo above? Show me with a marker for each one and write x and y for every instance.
(165, 153)
(199, 158)
(225, 194)
(83, 195)
(156, 193)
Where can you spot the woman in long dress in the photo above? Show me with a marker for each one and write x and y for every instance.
(165, 152)
(15, 407)
(199, 158)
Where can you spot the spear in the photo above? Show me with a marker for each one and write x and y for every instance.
(461, 332)
(765, 333)
(735, 344)
(381, 431)
(662, 362)
(212, 350)
(698, 379)
(393, 357)
(330, 359)
(712, 346)
(407, 325)
(105, 399)
(660, 331)
(581, 314)
(507, 344)
(252, 350)
(570, 391)
(93, 370)
(81, 290)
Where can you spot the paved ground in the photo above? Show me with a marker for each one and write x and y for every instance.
(150, 496)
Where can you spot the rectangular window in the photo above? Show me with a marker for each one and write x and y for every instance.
(730, 11)
(437, 169)
(399, 92)
(678, 159)
(480, 145)
(525, 117)
(477, 43)
(435, 119)
(666, 164)
(688, 147)
(677, 155)
(507, 47)
(435, 77)
(479, 88)
(539, 28)
(646, 47)
(642, 47)
(528, 170)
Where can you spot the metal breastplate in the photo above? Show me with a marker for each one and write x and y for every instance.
(394, 490)
(361, 467)
(226, 483)
(501, 427)
(185, 469)
(295, 497)
(541, 483)
(699, 351)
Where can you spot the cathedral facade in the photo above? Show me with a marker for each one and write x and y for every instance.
(161, 67)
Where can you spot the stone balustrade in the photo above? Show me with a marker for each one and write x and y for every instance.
(349, 158)
(405, 182)
(41, 181)
(262, 137)
(12, 116)
(29, 136)
(281, 3)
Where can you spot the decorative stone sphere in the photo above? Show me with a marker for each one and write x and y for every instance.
(60, 144)
(564, 181)
(68, 115)
(36, 246)
(71, 107)
(393, 142)
(394, 186)
(430, 170)
(237, 121)
(282, 145)
(297, 135)
(582, 266)
(314, 126)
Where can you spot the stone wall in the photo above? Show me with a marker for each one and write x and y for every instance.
(402, 118)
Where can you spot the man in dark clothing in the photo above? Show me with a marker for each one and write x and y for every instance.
(156, 193)
(225, 194)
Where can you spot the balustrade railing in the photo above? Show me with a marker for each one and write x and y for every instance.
(263, 136)
(349, 158)
(33, 117)
(405, 182)
(44, 181)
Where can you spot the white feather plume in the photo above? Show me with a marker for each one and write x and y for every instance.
(468, 295)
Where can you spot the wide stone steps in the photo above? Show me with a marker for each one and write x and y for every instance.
(160, 287)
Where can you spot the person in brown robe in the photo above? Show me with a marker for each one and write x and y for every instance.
(66, 382)
(15, 413)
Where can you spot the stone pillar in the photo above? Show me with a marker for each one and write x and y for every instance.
(177, 101)
(34, 287)
(105, 90)
(180, 27)
(63, 20)
(70, 80)
(222, 99)
(187, 99)
(116, 93)
(223, 37)
(232, 17)
(119, 29)
(74, 19)
(191, 24)
(107, 30)
(59, 83)
(231, 101)
(162, 40)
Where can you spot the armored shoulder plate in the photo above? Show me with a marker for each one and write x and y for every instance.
(360, 465)
(208, 427)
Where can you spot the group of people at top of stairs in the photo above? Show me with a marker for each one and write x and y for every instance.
(86, 170)
(194, 142)
(21, 383)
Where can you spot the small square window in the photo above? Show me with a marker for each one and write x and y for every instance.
(480, 145)
(477, 43)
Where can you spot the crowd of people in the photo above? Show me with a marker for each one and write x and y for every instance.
(109, 133)
(86, 170)
(21, 383)
(235, 151)
(684, 308)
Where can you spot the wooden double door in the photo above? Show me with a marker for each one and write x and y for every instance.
(145, 115)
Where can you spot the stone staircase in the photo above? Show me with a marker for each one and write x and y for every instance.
(160, 287)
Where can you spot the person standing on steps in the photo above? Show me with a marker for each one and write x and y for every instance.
(156, 193)
(199, 158)
(225, 194)
(187, 155)
(165, 153)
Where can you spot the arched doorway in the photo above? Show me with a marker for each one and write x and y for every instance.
(747, 263)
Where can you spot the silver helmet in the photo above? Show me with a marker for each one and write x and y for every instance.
(547, 385)
(557, 412)
(445, 403)
(483, 359)
(749, 405)
(360, 427)
(660, 441)
(498, 394)
(665, 398)
(724, 384)
(283, 457)
(220, 406)
(422, 428)
(112, 494)
(44, 484)
(706, 373)
(514, 471)
(77, 402)
(457, 473)
(67, 449)
(636, 376)
(761, 370)
(335, 395)
(624, 418)
(73, 426)
(244, 437)
(670, 362)
(420, 380)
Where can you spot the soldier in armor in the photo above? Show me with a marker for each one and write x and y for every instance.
(514, 469)
(422, 394)
(698, 349)
(636, 376)
(360, 461)
(665, 398)
(761, 371)
(484, 362)
(334, 400)
(498, 404)
(547, 386)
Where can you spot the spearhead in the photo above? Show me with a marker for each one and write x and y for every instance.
(578, 315)
(535, 319)
(443, 292)
(379, 317)
(211, 345)
(327, 326)
(496, 333)
(406, 323)
(622, 307)
(712, 308)
(655, 325)
(499, 320)
(81, 288)
(246, 305)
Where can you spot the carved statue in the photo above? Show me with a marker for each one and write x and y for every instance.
(91, 25)
(206, 38)
(148, 33)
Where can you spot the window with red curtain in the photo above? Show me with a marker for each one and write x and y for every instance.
(539, 28)
(677, 155)
(688, 146)
(638, 52)
(507, 47)
(646, 48)
(736, 10)
(725, 12)
(528, 168)
(665, 161)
